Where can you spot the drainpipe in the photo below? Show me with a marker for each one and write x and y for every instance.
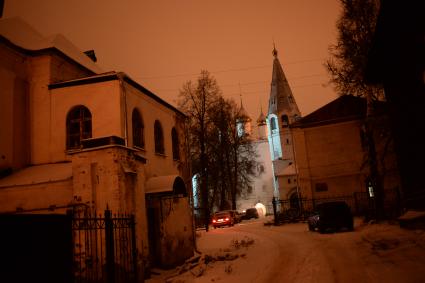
(125, 109)
(296, 167)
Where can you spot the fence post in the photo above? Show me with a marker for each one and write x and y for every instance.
(356, 204)
(274, 202)
(134, 246)
(109, 243)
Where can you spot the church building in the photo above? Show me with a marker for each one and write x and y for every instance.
(72, 136)
(282, 112)
(276, 174)
(260, 193)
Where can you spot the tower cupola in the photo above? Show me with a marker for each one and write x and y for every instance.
(243, 122)
(262, 125)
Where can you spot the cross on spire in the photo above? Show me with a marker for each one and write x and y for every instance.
(240, 94)
(274, 52)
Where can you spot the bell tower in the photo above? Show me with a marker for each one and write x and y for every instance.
(282, 112)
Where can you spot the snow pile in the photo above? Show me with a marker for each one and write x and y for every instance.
(225, 254)
(215, 263)
(24, 35)
(385, 237)
(401, 251)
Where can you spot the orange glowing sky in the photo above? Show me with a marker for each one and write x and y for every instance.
(161, 44)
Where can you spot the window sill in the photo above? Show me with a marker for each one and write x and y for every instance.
(160, 154)
(73, 150)
(139, 148)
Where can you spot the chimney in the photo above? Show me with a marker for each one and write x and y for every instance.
(89, 53)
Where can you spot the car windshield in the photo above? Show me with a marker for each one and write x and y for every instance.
(221, 214)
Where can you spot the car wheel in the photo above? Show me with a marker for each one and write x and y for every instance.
(322, 229)
(215, 227)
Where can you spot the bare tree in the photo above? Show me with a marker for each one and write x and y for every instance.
(235, 152)
(347, 64)
(224, 159)
(196, 101)
(347, 68)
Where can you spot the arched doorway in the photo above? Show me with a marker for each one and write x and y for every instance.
(261, 208)
(294, 201)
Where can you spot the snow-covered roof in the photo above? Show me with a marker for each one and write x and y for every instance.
(38, 174)
(287, 171)
(261, 119)
(412, 214)
(112, 75)
(160, 184)
(23, 35)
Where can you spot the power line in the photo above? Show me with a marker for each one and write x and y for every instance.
(268, 82)
(267, 91)
(253, 83)
(227, 70)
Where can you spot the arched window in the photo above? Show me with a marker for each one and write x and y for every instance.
(78, 126)
(294, 201)
(159, 137)
(138, 128)
(273, 123)
(285, 120)
(175, 141)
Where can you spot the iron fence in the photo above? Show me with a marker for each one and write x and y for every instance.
(299, 209)
(104, 247)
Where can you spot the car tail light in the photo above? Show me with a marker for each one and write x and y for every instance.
(227, 219)
(214, 221)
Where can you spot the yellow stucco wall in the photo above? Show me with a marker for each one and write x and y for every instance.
(330, 154)
(38, 197)
(14, 116)
(150, 111)
(103, 101)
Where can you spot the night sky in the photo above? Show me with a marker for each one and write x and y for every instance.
(162, 44)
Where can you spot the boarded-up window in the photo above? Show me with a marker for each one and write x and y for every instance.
(78, 126)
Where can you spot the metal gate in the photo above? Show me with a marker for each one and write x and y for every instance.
(298, 209)
(104, 247)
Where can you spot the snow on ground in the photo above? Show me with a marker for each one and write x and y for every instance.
(253, 252)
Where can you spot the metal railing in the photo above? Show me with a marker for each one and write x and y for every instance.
(104, 247)
(299, 209)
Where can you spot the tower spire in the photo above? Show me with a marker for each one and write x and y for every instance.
(274, 52)
(261, 121)
(281, 100)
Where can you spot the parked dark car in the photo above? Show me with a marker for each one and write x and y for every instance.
(250, 213)
(223, 218)
(331, 216)
(236, 215)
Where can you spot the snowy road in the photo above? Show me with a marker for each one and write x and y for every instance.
(290, 253)
(303, 256)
